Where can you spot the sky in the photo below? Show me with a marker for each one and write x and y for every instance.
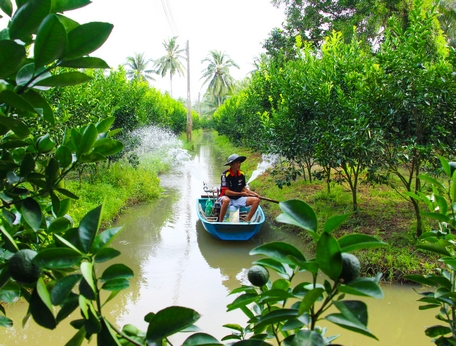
(235, 27)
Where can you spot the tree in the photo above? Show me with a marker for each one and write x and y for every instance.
(217, 74)
(313, 20)
(415, 99)
(138, 68)
(447, 19)
(171, 62)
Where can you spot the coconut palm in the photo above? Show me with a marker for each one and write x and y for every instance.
(217, 74)
(171, 61)
(137, 68)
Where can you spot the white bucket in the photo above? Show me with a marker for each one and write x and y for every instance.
(233, 214)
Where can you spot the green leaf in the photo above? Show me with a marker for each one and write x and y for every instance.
(87, 273)
(64, 79)
(432, 181)
(299, 213)
(57, 258)
(89, 137)
(63, 156)
(419, 279)
(106, 254)
(108, 146)
(309, 299)
(116, 284)
(17, 126)
(12, 56)
(328, 256)
(308, 338)
(38, 102)
(40, 312)
(201, 339)
(59, 225)
(117, 271)
(351, 242)
(85, 62)
(242, 300)
(28, 18)
(436, 248)
(275, 316)
(7, 7)
(279, 251)
(105, 238)
(31, 213)
(10, 292)
(17, 101)
(107, 335)
(274, 296)
(50, 42)
(68, 5)
(436, 216)
(169, 321)
(105, 124)
(78, 338)
(67, 193)
(27, 165)
(92, 158)
(334, 222)
(366, 287)
(5, 321)
(436, 331)
(8, 239)
(445, 165)
(63, 287)
(88, 228)
(87, 38)
(44, 294)
(349, 318)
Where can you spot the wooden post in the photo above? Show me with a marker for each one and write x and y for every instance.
(189, 102)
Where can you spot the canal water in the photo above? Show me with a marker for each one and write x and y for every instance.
(176, 262)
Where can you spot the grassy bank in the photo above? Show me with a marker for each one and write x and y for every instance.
(381, 213)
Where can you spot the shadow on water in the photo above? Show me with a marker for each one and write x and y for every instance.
(176, 262)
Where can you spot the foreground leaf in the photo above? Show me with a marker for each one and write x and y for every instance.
(169, 321)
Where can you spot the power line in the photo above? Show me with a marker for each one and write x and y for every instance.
(169, 17)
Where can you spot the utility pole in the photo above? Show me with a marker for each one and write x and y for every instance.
(189, 102)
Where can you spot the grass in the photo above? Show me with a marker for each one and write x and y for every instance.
(116, 186)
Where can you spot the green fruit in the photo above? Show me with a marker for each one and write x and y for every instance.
(350, 268)
(258, 275)
(22, 269)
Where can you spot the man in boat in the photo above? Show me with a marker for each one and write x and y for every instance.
(233, 191)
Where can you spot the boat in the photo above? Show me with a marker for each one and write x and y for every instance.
(234, 227)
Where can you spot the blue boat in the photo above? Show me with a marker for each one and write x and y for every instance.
(236, 229)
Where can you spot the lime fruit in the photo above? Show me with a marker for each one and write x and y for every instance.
(22, 269)
(258, 275)
(350, 268)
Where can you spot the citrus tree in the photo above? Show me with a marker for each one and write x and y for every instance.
(45, 258)
(288, 312)
(440, 240)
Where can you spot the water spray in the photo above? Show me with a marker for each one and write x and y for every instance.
(268, 161)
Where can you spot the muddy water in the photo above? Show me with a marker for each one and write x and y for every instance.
(177, 263)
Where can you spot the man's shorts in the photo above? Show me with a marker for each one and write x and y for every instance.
(240, 202)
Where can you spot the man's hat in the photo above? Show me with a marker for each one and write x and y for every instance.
(234, 157)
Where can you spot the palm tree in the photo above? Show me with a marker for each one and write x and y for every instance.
(171, 61)
(217, 74)
(137, 65)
